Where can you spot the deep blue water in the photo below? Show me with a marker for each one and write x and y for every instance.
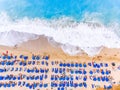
(107, 10)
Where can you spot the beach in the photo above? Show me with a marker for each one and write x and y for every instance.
(42, 46)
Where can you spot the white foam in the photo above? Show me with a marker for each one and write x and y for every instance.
(90, 37)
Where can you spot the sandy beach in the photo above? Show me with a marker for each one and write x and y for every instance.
(41, 46)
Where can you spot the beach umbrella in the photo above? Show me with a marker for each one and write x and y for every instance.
(84, 65)
(4, 57)
(84, 72)
(64, 65)
(85, 79)
(19, 83)
(33, 62)
(25, 57)
(58, 88)
(102, 72)
(46, 57)
(106, 65)
(80, 84)
(76, 72)
(40, 85)
(30, 87)
(113, 64)
(13, 84)
(21, 56)
(42, 62)
(20, 63)
(37, 57)
(8, 57)
(27, 84)
(80, 71)
(75, 85)
(101, 64)
(98, 78)
(27, 78)
(33, 57)
(80, 65)
(107, 79)
(14, 78)
(12, 63)
(84, 84)
(4, 85)
(103, 78)
(45, 85)
(77, 78)
(60, 64)
(67, 78)
(3, 63)
(76, 65)
(72, 64)
(89, 64)
(34, 85)
(68, 64)
(94, 79)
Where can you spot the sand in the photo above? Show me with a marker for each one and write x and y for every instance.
(41, 46)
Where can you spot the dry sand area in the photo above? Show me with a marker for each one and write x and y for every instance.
(41, 46)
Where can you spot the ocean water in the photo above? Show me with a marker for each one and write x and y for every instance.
(79, 25)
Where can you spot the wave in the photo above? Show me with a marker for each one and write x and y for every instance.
(74, 36)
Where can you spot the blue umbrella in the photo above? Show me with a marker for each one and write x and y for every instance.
(101, 64)
(3, 63)
(85, 79)
(30, 86)
(80, 72)
(27, 78)
(91, 72)
(25, 57)
(94, 79)
(45, 85)
(1, 77)
(33, 62)
(72, 65)
(20, 63)
(80, 65)
(84, 65)
(103, 78)
(77, 78)
(38, 58)
(27, 84)
(4, 57)
(19, 83)
(33, 57)
(46, 57)
(84, 84)
(84, 72)
(106, 65)
(40, 85)
(21, 56)
(68, 64)
(64, 65)
(76, 65)
(76, 72)
(42, 62)
(8, 57)
(107, 79)
(98, 78)
(13, 84)
(60, 64)
(89, 64)
(4, 85)
(102, 72)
